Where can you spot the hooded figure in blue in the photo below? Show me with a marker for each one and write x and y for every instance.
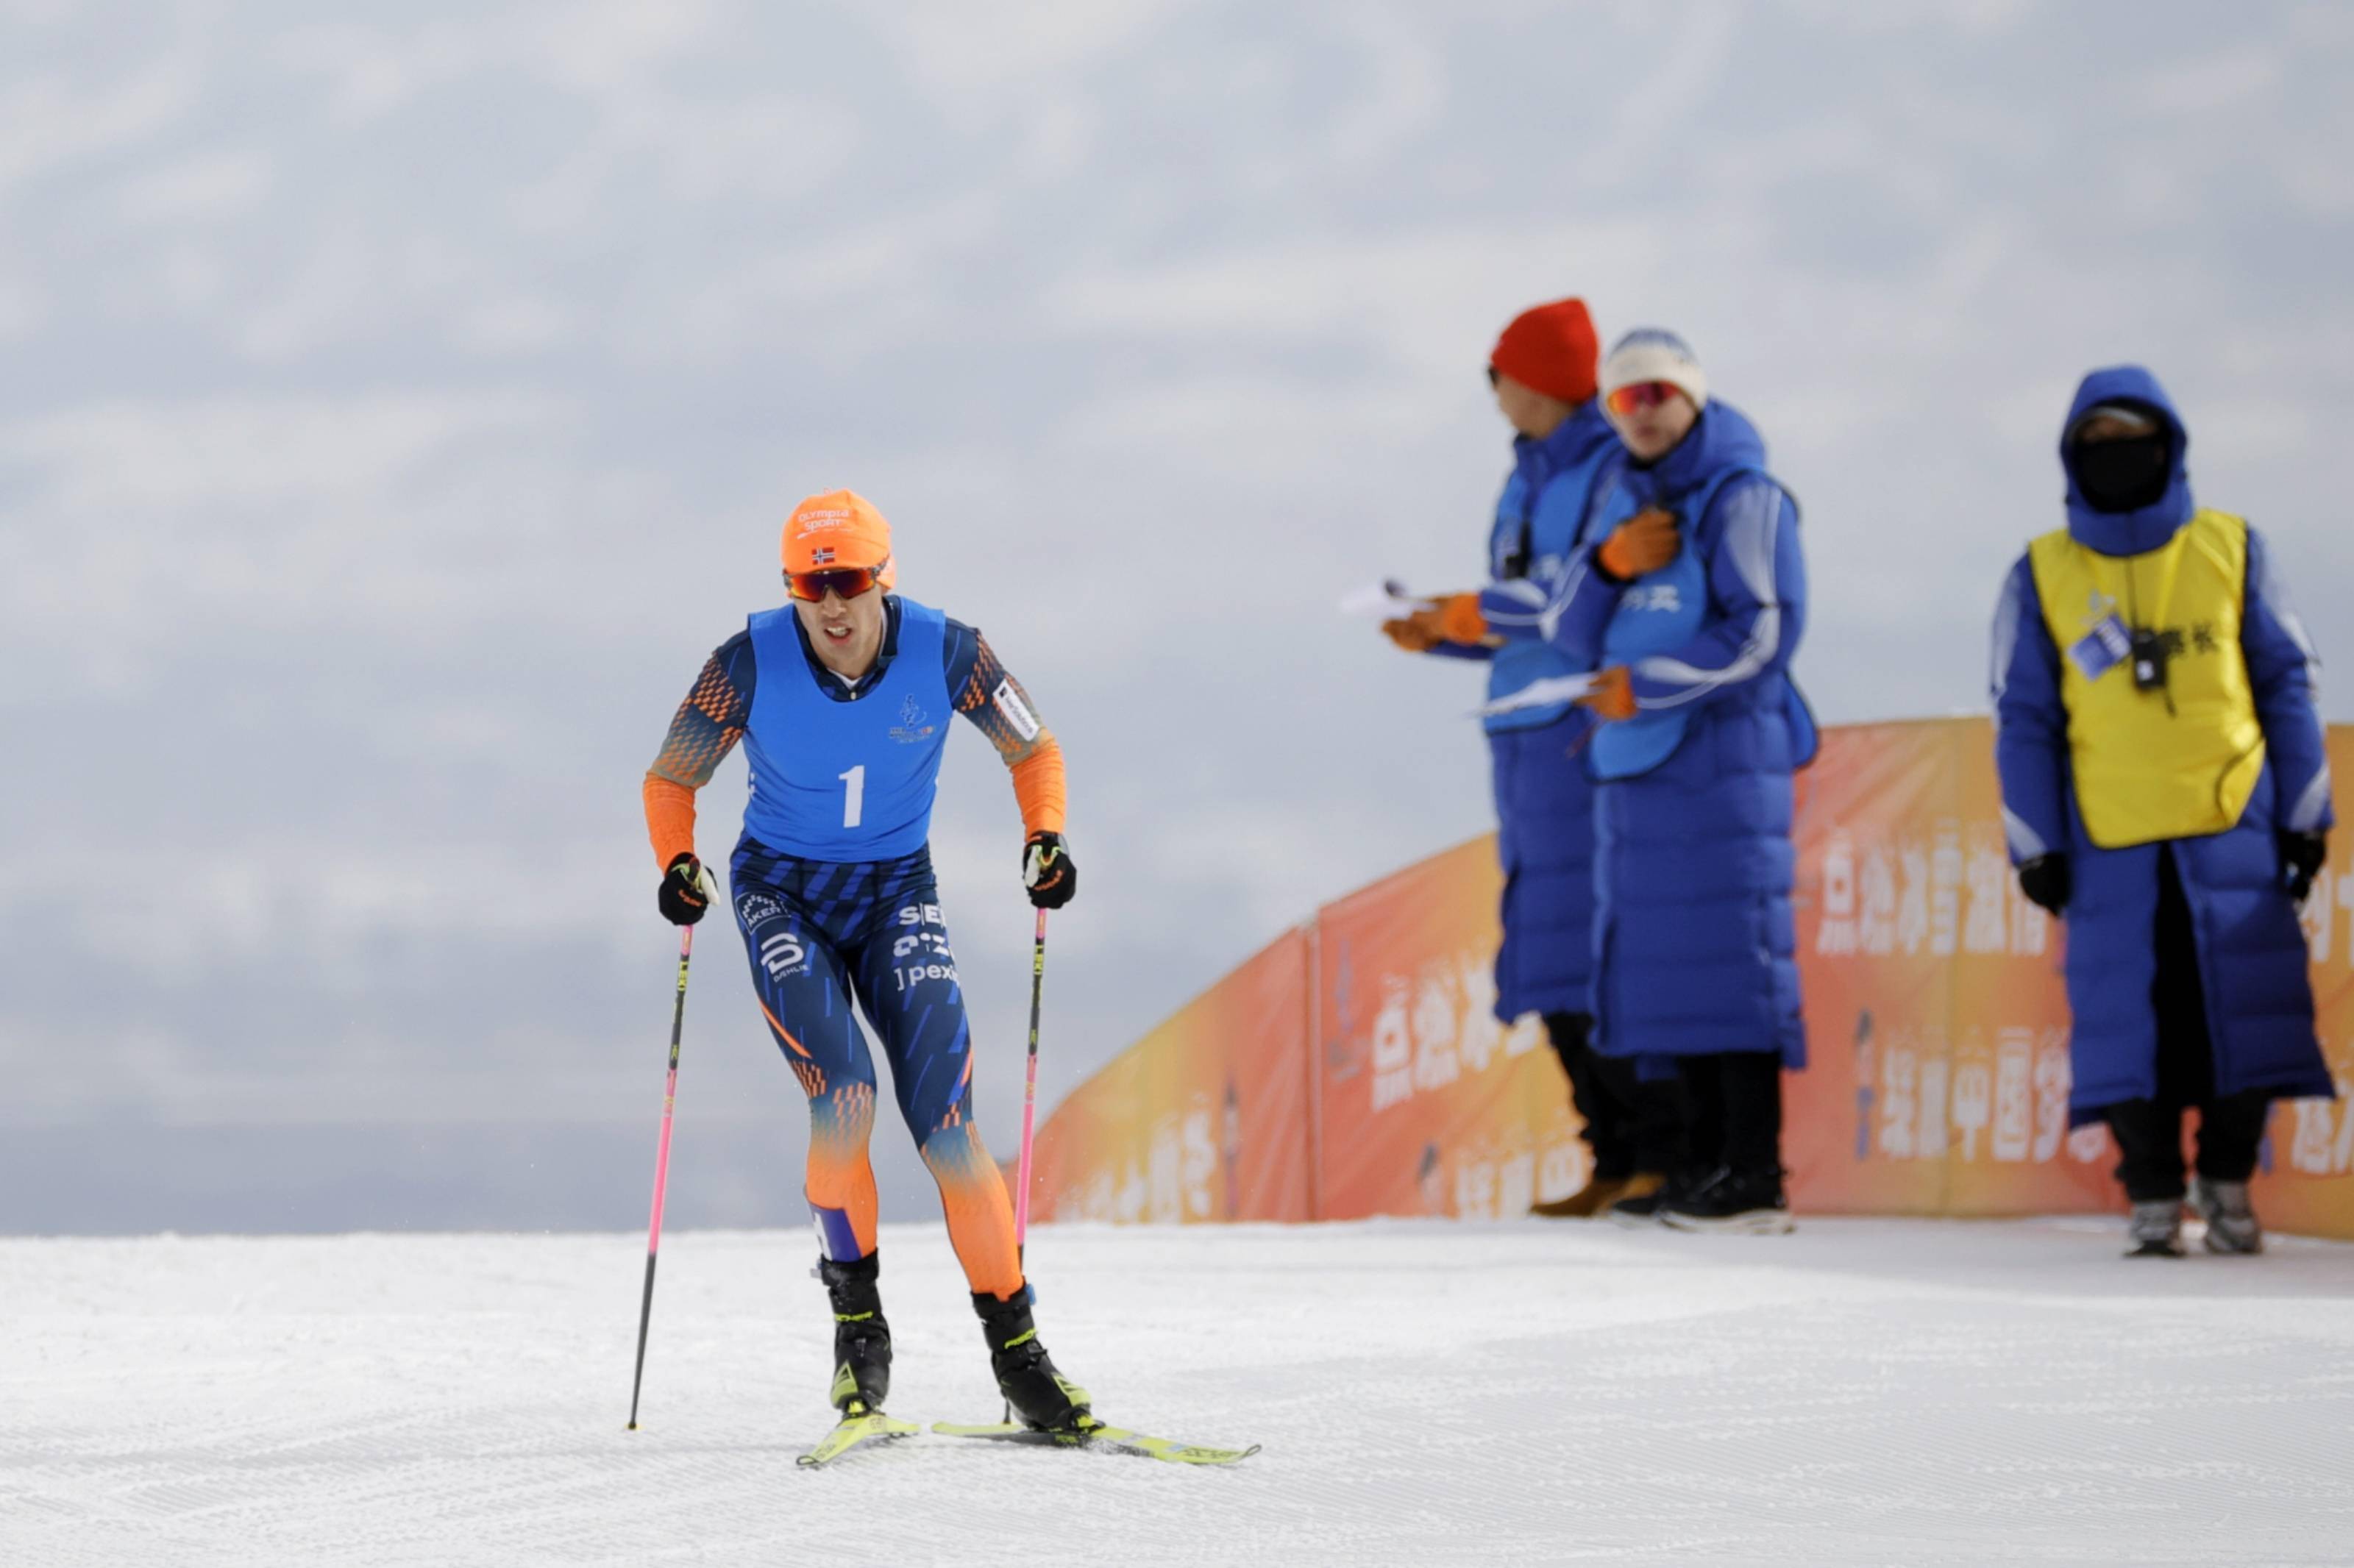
(1694, 939)
(1542, 370)
(2186, 965)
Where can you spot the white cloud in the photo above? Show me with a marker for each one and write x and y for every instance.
(178, 456)
(206, 185)
(47, 123)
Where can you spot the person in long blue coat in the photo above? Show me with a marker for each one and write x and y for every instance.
(1702, 730)
(1543, 372)
(2165, 790)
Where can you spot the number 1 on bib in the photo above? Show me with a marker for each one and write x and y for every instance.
(854, 802)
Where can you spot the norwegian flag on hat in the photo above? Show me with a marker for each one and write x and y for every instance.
(822, 556)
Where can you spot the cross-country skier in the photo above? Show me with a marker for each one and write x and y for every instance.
(2165, 790)
(843, 699)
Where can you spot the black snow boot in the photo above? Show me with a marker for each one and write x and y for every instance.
(1042, 1397)
(862, 1339)
(1747, 1200)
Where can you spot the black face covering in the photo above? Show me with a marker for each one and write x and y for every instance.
(2122, 476)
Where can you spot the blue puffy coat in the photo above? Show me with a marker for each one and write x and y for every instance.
(2252, 952)
(1695, 944)
(1544, 811)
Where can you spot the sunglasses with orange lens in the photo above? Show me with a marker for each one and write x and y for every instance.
(1636, 395)
(847, 582)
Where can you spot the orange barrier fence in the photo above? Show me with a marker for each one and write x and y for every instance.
(1352, 1067)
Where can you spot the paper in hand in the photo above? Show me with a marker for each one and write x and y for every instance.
(1386, 599)
(1537, 694)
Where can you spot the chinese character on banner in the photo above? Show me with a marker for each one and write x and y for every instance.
(2014, 1095)
(1946, 890)
(1475, 1190)
(1835, 938)
(1875, 928)
(1985, 924)
(1913, 906)
(2031, 927)
(1973, 1105)
(1435, 1063)
(1897, 1066)
(2052, 1079)
(1930, 1141)
(1481, 1033)
(1564, 1169)
(1516, 1182)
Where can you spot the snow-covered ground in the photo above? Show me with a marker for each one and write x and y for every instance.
(1861, 1391)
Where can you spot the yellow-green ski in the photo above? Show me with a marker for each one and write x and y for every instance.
(858, 1428)
(1094, 1434)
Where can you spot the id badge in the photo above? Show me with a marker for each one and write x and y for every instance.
(2102, 650)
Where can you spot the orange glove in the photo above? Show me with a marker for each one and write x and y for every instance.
(1455, 618)
(1641, 545)
(1460, 620)
(1613, 696)
(1416, 634)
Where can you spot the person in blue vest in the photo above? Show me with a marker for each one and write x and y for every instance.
(843, 699)
(1543, 374)
(1701, 731)
(2165, 791)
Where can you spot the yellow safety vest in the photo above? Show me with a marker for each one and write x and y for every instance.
(2174, 761)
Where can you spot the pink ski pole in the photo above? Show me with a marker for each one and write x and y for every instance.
(1030, 1092)
(661, 1169)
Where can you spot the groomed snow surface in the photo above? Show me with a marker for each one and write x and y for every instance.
(1864, 1391)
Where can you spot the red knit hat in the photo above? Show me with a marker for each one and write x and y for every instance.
(1551, 349)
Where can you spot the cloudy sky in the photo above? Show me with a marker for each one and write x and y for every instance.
(399, 400)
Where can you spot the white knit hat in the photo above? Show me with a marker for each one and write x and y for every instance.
(1653, 354)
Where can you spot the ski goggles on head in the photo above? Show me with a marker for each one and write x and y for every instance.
(845, 582)
(1623, 400)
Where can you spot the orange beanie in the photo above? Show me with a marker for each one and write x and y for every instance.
(1552, 349)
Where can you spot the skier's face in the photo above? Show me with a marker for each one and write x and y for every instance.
(1651, 425)
(847, 632)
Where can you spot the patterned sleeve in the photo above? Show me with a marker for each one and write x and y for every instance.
(988, 694)
(702, 733)
(711, 721)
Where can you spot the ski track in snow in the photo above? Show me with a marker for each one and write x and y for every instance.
(1864, 1391)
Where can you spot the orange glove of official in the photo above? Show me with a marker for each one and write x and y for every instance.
(1453, 618)
(1460, 620)
(1613, 696)
(1416, 634)
(1640, 545)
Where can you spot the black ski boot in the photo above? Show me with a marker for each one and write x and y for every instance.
(862, 1339)
(1040, 1397)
